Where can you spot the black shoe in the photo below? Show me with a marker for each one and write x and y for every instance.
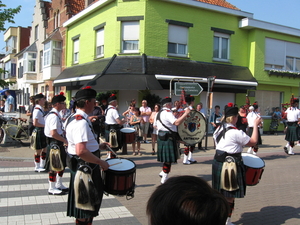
(193, 161)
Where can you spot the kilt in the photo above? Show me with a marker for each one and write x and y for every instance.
(167, 151)
(62, 153)
(72, 211)
(241, 179)
(250, 131)
(40, 138)
(292, 132)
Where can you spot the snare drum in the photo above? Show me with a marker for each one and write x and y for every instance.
(254, 168)
(119, 179)
(128, 135)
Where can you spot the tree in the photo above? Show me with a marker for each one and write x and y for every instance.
(6, 15)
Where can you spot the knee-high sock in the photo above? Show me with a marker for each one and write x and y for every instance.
(87, 221)
(43, 155)
(37, 158)
(167, 167)
(52, 176)
(61, 173)
(231, 207)
(192, 148)
(292, 144)
(186, 150)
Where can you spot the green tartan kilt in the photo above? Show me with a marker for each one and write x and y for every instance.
(63, 155)
(241, 180)
(72, 211)
(40, 138)
(167, 151)
(292, 133)
(250, 131)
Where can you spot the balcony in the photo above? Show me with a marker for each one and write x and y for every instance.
(284, 73)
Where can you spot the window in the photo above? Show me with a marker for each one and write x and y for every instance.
(56, 19)
(56, 52)
(10, 69)
(178, 38)
(100, 43)
(76, 50)
(130, 36)
(282, 55)
(29, 62)
(47, 53)
(41, 61)
(221, 46)
(36, 32)
(11, 45)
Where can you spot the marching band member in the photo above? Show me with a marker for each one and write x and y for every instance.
(188, 150)
(39, 124)
(229, 146)
(113, 125)
(83, 146)
(252, 115)
(292, 114)
(167, 148)
(55, 137)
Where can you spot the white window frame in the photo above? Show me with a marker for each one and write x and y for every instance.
(76, 50)
(130, 36)
(30, 58)
(219, 47)
(56, 52)
(100, 43)
(178, 39)
(47, 54)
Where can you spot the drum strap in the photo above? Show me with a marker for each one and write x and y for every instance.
(222, 133)
(174, 134)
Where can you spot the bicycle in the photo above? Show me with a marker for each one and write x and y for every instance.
(15, 131)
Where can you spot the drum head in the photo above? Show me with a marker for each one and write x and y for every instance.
(253, 161)
(192, 129)
(127, 130)
(120, 164)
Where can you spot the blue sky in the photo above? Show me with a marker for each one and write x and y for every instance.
(284, 12)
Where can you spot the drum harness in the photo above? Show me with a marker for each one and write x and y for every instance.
(230, 163)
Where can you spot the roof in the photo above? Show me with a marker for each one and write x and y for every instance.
(222, 3)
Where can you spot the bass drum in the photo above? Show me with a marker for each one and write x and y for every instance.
(192, 129)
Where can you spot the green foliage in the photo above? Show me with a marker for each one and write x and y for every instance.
(7, 15)
(105, 95)
(152, 99)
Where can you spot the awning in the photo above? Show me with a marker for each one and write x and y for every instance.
(76, 76)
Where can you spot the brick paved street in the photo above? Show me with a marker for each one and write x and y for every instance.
(274, 201)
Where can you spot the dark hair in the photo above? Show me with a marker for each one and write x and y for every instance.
(137, 109)
(217, 106)
(81, 103)
(186, 200)
(158, 105)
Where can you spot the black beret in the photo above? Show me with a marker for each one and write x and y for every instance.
(85, 93)
(230, 110)
(58, 98)
(39, 96)
(111, 98)
(189, 98)
(166, 100)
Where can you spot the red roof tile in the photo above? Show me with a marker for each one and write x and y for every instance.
(222, 3)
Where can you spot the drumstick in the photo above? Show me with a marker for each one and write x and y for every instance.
(112, 151)
(115, 164)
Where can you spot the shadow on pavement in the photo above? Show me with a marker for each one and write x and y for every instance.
(275, 215)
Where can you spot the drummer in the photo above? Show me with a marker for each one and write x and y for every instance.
(229, 143)
(167, 148)
(83, 146)
(188, 150)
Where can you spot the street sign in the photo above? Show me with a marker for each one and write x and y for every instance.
(193, 89)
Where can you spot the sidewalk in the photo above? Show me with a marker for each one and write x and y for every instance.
(274, 201)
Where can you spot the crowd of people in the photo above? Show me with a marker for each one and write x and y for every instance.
(71, 137)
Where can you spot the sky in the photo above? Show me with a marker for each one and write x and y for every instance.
(283, 12)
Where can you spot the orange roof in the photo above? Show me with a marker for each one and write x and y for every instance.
(222, 3)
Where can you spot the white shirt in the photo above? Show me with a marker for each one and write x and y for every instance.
(111, 115)
(167, 118)
(234, 140)
(251, 118)
(38, 113)
(9, 101)
(78, 131)
(292, 114)
(53, 122)
(145, 109)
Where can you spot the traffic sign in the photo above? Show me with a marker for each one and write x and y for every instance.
(193, 89)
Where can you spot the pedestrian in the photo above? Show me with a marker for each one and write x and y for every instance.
(242, 123)
(113, 125)
(167, 148)
(40, 140)
(186, 200)
(96, 118)
(189, 149)
(135, 121)
(152, 128)
(145, 113)
(64, 113)
(292, 115)
(2, 106)
(199, 108)
(252, 115)
(86, 176)
(9, 102)
(229, 146)
(29, 113)
(56, 159)
(129, 112)
(215, 119)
